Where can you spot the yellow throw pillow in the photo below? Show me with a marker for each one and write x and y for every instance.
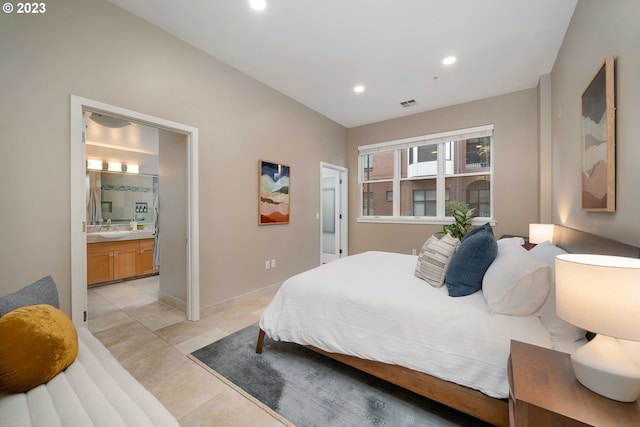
(37, 342)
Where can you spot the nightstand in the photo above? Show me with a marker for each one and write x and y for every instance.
(543, 391)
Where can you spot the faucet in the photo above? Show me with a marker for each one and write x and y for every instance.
(108, 224)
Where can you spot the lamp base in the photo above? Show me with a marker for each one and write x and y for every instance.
(603, 366)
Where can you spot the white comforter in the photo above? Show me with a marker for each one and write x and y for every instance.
(372, 306)
(95, 390)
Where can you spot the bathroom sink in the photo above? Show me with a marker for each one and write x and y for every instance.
(113, 234)
(105, 236)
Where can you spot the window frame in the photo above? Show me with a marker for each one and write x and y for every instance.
(439, 140)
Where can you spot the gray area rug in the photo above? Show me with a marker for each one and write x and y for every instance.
(309, 389)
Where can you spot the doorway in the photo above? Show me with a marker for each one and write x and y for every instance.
(333, 212)
(79, 202)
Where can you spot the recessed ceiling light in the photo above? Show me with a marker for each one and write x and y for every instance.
(449, 60)
(258, 4)
(358, 89)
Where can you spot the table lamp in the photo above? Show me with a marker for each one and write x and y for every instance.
(601, 294)
(539, 233)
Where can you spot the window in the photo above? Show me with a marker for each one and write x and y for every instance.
(367, 203)
(479, 197)
(424, 202)
(367, 162)
(415, 178)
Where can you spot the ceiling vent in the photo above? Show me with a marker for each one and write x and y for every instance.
(408, 103)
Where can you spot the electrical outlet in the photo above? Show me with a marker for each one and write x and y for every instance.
(273, 263)
(413, 251)
(267, 265)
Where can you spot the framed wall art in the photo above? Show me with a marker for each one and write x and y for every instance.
(273, 193)
(599, 141)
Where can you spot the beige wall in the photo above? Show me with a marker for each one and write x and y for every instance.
(172, 198)
(515, 184)
(93, 49)
(598, 29)
(545, 150)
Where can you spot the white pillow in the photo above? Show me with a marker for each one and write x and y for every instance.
(434, 258)
(558, 328)
(516, 283)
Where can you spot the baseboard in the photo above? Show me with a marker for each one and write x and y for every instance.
(240, 299)
(174, 302)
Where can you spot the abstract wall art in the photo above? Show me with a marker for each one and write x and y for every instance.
(273, 193)
(599, 141)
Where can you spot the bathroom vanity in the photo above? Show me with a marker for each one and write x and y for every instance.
(122, 259)
(117, 247)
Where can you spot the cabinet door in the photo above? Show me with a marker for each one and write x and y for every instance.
(125, 260)
(146, 256)
(99, 265)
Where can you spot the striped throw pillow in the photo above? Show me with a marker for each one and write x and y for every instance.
(434, 258)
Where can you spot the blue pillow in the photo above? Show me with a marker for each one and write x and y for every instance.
(482, 228)
(472, 259)
(43, 291)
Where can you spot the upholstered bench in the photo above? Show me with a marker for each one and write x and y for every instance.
(53, 374)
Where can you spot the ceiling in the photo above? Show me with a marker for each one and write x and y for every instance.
(317, 51)
(129, 136)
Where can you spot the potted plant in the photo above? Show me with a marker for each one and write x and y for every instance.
(462, 215)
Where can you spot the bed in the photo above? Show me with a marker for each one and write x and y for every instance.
(387, 322)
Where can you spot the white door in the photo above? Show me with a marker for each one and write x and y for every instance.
(333, 218)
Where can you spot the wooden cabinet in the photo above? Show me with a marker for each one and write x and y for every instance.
(125, 259)
(543, 391)
(108, 261)
(146, 256)
(99, 263)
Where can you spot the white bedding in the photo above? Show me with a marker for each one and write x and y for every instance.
(372, 306)
(95, 390)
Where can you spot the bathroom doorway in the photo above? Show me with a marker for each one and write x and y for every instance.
(333, 212)
(177, 138)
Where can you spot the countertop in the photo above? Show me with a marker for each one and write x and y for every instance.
(118, 235)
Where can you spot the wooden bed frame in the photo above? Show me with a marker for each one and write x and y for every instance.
(464, 399)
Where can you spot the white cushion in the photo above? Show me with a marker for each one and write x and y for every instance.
(516, 283)
(434, 258)
(558, 328)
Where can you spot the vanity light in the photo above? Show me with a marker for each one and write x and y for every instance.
(358, 89)
(449, 60)
(115, 167)
(258, 5)
(93, 164)
(133, 168)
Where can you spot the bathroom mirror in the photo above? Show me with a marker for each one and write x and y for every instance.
(120, 197)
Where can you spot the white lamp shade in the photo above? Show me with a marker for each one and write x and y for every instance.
(600, 293)
(539, 233)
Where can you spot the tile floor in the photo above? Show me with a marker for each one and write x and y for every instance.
(152, 339)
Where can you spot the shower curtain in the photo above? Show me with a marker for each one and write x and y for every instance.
(156, 228)
(94, 212)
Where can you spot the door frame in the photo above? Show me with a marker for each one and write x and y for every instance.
(78, 202)
(344, 234)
